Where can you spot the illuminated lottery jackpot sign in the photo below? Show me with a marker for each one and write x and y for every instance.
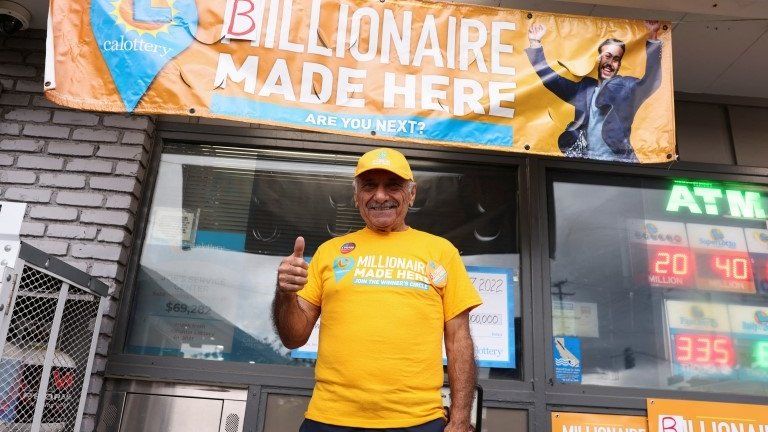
(749, 327)
(722, 259)
(718, 340)
(700, 339)
(660, 253)
(757, 244)
(686, 255)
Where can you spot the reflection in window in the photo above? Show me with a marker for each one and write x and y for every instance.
(222, 219)
(659, 283)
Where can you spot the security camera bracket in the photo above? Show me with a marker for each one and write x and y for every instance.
(17, 11)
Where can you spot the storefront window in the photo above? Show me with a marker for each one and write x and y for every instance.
(222, 219)
(659, 283)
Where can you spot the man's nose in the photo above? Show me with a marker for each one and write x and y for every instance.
(381, 193)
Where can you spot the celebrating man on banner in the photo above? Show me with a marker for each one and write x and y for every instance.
(606, 106)
(388, 294)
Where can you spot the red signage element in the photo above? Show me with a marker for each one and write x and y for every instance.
(724, 271)
(347, 247)
(63, 380)
(670, 266)
(704, 350)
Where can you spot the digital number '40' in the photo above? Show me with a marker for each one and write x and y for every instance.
(732, 267)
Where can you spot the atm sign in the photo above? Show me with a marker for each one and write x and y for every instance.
(716, 201)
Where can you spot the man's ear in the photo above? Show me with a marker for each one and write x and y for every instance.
(413, 195)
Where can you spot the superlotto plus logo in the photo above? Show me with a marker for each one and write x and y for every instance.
(138, 37)
(717, 239)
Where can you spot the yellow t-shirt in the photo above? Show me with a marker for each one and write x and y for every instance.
(384, 299)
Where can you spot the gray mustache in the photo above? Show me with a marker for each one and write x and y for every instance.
(383, 206)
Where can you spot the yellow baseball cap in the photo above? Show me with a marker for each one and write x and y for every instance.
(384, 159)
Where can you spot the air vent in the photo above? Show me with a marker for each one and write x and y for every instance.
(233, 423)
(109, 418)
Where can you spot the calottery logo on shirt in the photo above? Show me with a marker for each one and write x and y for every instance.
(392, 271)
(342, 265)
(347, 247)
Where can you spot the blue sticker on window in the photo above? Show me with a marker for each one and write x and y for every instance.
(567, 359)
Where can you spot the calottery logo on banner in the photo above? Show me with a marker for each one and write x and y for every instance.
(578, 422)
(666, 415)
(405, 70)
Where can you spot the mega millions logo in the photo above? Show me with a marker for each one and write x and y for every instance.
(137, 38)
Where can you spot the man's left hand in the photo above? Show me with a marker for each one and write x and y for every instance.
(653, 29)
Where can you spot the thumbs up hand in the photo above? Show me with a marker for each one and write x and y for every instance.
(292, 272)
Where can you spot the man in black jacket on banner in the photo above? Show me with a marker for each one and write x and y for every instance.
(606, 106)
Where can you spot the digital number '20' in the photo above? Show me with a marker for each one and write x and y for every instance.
(674, 263)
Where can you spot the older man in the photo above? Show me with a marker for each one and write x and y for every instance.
(387, 293)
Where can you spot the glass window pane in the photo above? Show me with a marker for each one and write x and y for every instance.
(284, 413)
(659, 283)
(222, 219)
(501, 419)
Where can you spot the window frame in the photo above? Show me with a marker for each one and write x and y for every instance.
(537, 391)
(122, 365)
(582, 396)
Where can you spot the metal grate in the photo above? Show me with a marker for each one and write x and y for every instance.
(72, 352)
(47, 345)
(23, 354)
(232, 424)
(35, 281)
(109, 418)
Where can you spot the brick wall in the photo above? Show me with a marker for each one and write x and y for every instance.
(80, 173)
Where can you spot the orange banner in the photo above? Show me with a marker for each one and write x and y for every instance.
(581, 422)
(404, 70)
(666, 415)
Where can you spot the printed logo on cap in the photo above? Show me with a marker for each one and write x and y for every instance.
(382, 159)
